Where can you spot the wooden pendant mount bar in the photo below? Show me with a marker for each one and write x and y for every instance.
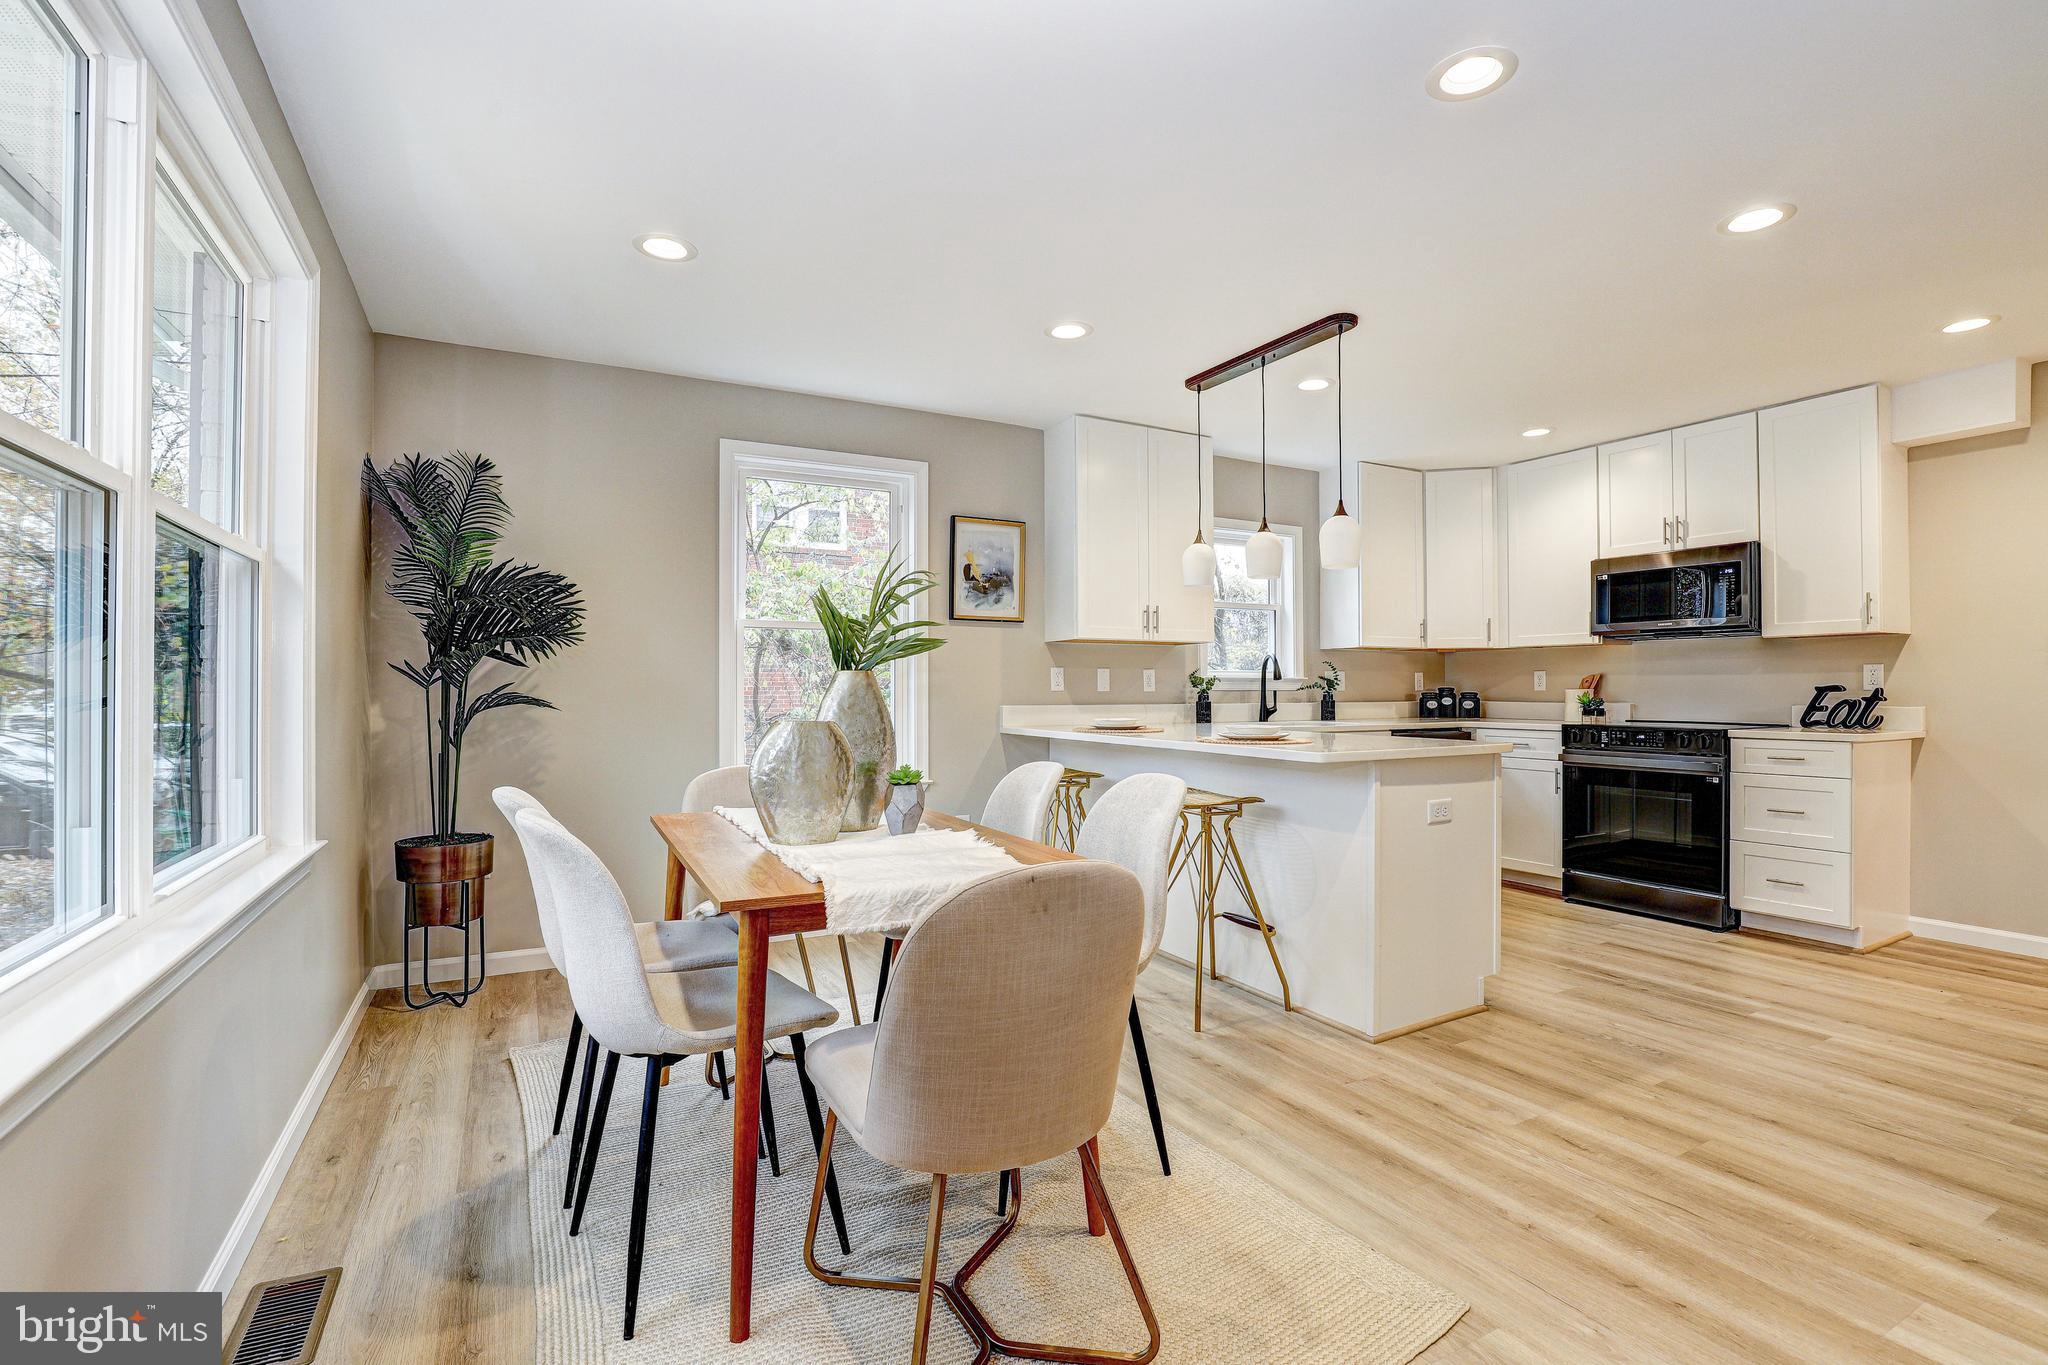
(1279, 348)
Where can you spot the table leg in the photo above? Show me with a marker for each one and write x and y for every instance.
(672, 893)
(746, 1118)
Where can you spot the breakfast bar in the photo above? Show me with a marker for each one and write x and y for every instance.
(1374, 857)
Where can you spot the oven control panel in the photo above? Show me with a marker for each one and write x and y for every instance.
(1652, 739)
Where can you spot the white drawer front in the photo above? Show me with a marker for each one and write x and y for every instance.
(1791, 756)
(1793, 882)
(1546, 744)
(1798, 812)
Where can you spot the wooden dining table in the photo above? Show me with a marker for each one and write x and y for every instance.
(745, 880)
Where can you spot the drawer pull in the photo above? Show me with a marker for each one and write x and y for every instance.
(1785, 758)
(1780, 810)
(1780, 881)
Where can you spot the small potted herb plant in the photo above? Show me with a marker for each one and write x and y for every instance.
(906, 799)
(1590, 704)
(1203, 685)
(1327, 685)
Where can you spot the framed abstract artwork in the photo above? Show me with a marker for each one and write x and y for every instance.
(987, 570)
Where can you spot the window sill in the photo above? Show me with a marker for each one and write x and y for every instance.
(62, 1014)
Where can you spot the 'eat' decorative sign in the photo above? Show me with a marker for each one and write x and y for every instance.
(1850, 713)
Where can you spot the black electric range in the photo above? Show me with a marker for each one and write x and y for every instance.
(1646, 819)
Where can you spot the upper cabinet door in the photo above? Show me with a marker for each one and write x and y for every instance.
(1831, 495)
(1460, 556)
(1390, 574)
(1185, 615)
(1637, 496)
(1112, 552)
(1714, 466)
(1551, 536)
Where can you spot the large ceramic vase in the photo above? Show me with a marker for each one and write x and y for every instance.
(855, 705)
(799, 775)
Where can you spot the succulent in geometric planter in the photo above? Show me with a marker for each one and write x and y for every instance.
(906, 800)
(472, 609)
(860, 642)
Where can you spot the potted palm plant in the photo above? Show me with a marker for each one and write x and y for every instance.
(861, 642)
(472, 608)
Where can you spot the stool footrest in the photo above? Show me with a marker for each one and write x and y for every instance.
(1246, 920)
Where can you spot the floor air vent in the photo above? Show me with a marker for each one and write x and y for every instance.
(281, 1320)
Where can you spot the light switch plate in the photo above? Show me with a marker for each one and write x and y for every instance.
(1151, 680)
(1059, 680)
(1102, 680)
(1418, 684)
(1873, 676)
(1542, 681)
(1440, 811)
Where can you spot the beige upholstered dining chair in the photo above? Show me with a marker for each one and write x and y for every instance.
(664, 945)
(662, 1018)
(1133, 826)
(1018, 803)
(731, 786)
(978, 1067)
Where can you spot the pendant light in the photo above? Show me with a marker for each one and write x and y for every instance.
(1264, 556)
(1198, 561)
(1340, 541)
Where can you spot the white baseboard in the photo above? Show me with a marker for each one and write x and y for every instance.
(234, 1249)
(1976, 936)
(391, 975)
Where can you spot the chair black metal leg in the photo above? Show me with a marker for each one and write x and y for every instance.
(1003, 1195)
(593, 1139)
(768, 1123)
(568, 1069)
(718, 1065)
(817, 1122)
(643, 1172)
(582, 1118)
(882, 981)
(1151, 1095)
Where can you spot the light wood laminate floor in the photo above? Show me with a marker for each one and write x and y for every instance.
(1659, 1144)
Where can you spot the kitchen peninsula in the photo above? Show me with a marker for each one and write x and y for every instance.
(1386, 921)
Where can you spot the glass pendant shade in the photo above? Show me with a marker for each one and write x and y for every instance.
(1198, 565)
(1264, 556)
(1339, 542)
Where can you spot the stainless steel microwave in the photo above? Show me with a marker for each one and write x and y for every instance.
(1711, 590)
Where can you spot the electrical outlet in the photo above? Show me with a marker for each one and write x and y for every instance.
(1542, 681)
(1151, 680)
(1418, 684)
(1059, 680)
(1440, 811)
(1873, 676)
(1102, 680)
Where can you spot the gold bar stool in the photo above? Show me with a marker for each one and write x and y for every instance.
(1206, 818)
(1063, 818)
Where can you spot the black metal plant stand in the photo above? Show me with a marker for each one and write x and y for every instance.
(443, 878)
(472, 927)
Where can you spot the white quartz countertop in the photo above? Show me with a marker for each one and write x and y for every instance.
(1783, 732)
(1344, 744)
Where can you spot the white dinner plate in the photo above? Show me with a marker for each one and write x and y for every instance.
(1248, 732)
(1117, 723)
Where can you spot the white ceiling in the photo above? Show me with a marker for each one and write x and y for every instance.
(893, 200)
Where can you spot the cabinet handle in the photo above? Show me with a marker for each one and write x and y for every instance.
(1780, 810)
(1489, 630)
(1667, 530)
(1780, 881)
(1784, 758)
(1679, 526)
(1866, 608)
(1557, 782)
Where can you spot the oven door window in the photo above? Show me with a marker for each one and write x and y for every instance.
(1663, 828)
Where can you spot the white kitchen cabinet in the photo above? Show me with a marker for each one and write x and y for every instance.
(1532, 816)
(1459, 581)
(1119, 509)
(1550, 535)
(1831, 496)
(1637, 493)
(1713, 474)
(1381, 603)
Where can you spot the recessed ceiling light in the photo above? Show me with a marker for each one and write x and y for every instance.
(1533, 432)
(1313, 385)
(1970, 324)
(1471, 73)
(663, 247)
(1068, 331)
(1757, 219)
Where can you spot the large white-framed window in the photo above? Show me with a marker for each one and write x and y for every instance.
(1255, 617)
(791, 521)
(155, 515)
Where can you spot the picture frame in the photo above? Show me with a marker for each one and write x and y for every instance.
(985, 560)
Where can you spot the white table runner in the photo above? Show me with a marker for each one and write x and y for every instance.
(876, 882)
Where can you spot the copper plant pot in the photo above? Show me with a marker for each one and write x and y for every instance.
(436, 869)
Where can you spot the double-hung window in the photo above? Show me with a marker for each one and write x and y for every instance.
(1255, 617)
(42, 198)
(796, 521)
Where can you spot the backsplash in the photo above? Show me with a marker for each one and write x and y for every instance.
(1369, 675)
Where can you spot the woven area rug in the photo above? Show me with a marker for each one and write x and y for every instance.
(1236, 1271)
